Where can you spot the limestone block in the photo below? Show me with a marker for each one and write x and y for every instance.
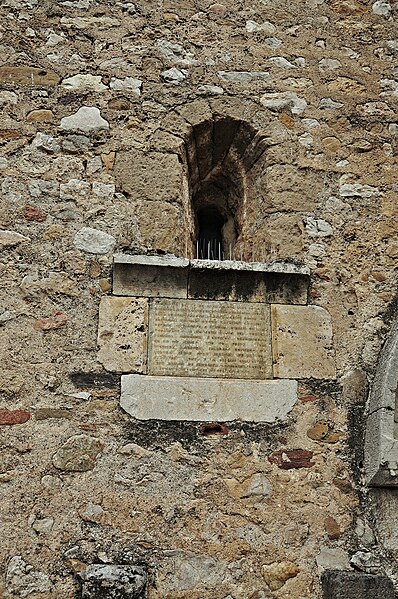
(213, 400)
(291, 188)
(28, 76)
(149, 176)
(122, 337)
(302, 342)
(351, 585)
(150, 276)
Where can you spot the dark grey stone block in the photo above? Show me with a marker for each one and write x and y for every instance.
(337, 584)
(104, 581)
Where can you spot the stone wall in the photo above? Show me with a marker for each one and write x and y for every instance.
(112, 114)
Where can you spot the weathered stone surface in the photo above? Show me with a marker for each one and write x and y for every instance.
(352, 585)
(113, 581)
(45, 413)
(11, 238)
(153, 176)
(243, 76)
(332, 558)
(87, 119)
(175, 53)
(11, 417)
(84, 82)
(209, 339)
(174, 75)
(56, 321)
(214, 400)
(40, 116)
(292, 459)
(150, 276)
(93, 241)
(23, 580)
(129, 84)
(77, 454)
(302, 342)
(284, 100)
(278, 573)
(247, 285)
(122, 336)
(28, 76)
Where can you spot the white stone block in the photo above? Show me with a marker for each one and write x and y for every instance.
(207, 400)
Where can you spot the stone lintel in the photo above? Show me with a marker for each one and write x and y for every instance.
(150, 276)
(170, 276)
(207, 400)
(274, 267)
(167, 260)
(247, 285)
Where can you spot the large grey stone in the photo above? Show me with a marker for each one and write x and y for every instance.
(202, 400)
(355, 585)
(209, 339)
(84, 82)
(281, 100)
(94, 241)
(23, 580)
(104, 581)
(87, 119)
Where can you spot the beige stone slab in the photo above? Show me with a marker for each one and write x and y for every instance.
(122, 334)
(207, 399)
(302, 342)
(209, 339)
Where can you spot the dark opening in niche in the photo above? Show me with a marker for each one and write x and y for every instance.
(210, 234)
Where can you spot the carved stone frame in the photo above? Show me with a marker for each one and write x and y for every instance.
(381, 440)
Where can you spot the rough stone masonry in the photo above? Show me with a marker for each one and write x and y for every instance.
(117, 121)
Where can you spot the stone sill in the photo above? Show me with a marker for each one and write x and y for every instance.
(172, 277)
(169, 260)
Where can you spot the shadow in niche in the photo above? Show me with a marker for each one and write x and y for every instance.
(219, 155)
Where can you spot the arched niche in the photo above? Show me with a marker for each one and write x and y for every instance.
(220, 151)
(381, 440)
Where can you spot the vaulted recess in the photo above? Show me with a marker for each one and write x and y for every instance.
(219, 153)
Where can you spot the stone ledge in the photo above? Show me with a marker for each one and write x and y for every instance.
(173, 277)
(202, 400)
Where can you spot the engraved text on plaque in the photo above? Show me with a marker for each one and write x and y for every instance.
(209, 339)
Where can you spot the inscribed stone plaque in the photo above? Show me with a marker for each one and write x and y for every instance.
(210, 339)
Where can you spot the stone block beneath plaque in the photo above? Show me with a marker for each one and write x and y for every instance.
(207, 399)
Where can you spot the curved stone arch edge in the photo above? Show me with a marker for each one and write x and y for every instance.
(381, 445)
